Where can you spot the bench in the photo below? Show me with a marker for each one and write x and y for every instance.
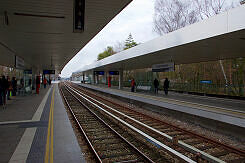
(144, 88)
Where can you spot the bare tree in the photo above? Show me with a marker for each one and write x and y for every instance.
(118, 47)
(208, 8)
(171, 15)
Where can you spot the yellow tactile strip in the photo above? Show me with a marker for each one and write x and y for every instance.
(49, 153)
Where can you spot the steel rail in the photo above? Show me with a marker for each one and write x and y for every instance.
(130, 144)
(181, 143)
(226, 146)
(176, 153)
(81, 128)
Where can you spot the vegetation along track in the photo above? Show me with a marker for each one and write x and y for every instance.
(192, 145)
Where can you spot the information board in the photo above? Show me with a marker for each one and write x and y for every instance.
(114, 72)
(99, 72)
(206, 81)
(165, 67)
(48, 72)
(27, 71)
(19, 63)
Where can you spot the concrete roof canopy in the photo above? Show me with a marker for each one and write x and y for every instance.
(41, 32)
(219, 37)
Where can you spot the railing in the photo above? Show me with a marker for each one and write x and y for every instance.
(218, 89)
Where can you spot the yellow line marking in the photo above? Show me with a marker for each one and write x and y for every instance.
(52, 133)
(49, 148)
(48, 135)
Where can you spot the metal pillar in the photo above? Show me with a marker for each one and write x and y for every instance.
(97, 79)
(93, 78)
(34, 73)
(106, 77)
(120, 83)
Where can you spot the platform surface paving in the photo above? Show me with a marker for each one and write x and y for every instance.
(30, 123)
(219, 109)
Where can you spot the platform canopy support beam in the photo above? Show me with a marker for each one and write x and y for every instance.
(93, 77)
(120, 85)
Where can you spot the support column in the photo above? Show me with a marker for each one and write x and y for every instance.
(93, 77)
(83, 78)
(104, 78)
(34, 74)
(97, 79)
(120, 85)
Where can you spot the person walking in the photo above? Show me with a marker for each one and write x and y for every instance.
(132, 85)
(44, 82)
(156, 85)
(4, 89)
(166, 86)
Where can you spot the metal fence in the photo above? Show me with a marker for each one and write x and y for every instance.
(219, 89)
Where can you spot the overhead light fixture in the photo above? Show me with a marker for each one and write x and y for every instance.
(6, 19)
(39, 15)
(78, 18)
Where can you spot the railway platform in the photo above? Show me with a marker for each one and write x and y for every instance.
(218, 112)
(36, 128)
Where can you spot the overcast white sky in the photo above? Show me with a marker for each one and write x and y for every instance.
(136, 18)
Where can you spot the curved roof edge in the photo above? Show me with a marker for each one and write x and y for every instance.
(227, 22)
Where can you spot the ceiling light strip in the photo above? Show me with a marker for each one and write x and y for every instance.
(42, 16)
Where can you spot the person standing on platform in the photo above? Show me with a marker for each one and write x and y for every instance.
(44, 82)
(14, 85)
(22, 83)
(49, 81)
(5, 89)
(166, 86)
(132, 85)
(29, 82)
(156, 85)
(37, 84)
(9, 88)
(1, 92)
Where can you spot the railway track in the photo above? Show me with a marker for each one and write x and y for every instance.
(107, 144)
(194, 146)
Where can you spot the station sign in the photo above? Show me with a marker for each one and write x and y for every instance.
(48, 72)
(206, 81)
(79, 12)
(165, 67)
(19, 63)
(27, 71)
(113, 72)
(99, 72)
